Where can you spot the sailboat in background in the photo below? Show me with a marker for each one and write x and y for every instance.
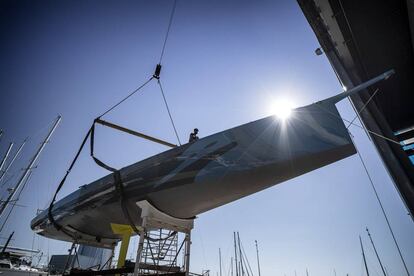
(17, 261)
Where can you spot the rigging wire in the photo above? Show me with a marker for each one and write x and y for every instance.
(247, 260)
(168, 30)
(7, 180)
(369, 176)
(354, 124)
(363, 107)
(16, 154)
(380, 204)
(127, 97)
(18, 197)
(169, 112)
(376, 194)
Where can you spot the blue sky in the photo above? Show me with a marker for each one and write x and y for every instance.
(226, 63)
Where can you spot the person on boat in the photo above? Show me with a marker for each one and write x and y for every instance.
(193, 136)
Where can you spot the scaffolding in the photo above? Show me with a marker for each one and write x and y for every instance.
(160, 252)
(159, 246)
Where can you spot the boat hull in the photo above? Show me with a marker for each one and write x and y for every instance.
(17, 272)
(194, 178)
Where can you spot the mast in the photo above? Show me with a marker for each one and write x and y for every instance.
(363, 256)
(5, 156)
(31, 164)
(14, 204)
(257, 255)
(3, 173)
(376, 253)
(231, 266)
(240, 254)
(220, 260)
(235, 254)
(7, 244)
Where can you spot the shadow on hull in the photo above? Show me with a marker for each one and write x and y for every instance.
(194, 178)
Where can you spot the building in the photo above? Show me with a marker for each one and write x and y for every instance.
(363, 39)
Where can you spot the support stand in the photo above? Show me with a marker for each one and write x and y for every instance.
(69, 262)
(126, 232)
(154, 219)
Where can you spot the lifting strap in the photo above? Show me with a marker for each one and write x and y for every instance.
(135, 133)
(50, 215)
(117, 175)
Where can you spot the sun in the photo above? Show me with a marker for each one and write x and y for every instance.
(282, 109)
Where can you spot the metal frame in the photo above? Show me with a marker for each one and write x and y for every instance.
(153, 219)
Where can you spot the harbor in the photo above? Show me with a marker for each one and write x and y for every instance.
(206, 138)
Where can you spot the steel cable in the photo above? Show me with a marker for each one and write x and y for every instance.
(125, 98)
(169, 112)
(168, 30)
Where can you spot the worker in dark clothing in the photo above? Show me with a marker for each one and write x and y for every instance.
(193, 136)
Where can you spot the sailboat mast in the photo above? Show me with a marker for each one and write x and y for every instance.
(7, 244)
(31, 164)
(235, 254)
(257, 256)
(3, 161)
(363, 256)
(240, 254)
(376, 253)
(3, 173)
(220, 260)
(231, 266)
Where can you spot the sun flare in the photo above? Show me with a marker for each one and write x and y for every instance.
(282, 109)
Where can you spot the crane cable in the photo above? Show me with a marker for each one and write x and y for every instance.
(156, 75)
(126, 97)
(90, 134)
(169, 112)
(168, 30)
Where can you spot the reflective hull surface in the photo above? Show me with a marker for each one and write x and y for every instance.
(194, 178)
